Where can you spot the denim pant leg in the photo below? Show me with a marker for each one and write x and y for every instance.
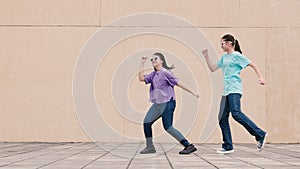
(152, 115)
(224, 124)
(167, 118)
(235, 108)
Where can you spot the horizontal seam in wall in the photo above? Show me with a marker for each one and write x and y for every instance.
(134, 26)
(49, 26)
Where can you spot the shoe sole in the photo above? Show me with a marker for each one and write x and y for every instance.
(263, 144)
(225, 152)
(150, 152)
(189, 152)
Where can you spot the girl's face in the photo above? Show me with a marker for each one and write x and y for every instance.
(156, 61)
(225, 45)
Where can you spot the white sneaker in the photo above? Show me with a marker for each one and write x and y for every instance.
(223, 151)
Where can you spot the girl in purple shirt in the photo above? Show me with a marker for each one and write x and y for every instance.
(162, 96)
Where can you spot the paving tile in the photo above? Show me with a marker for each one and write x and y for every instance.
(148, 166)
(120, 155)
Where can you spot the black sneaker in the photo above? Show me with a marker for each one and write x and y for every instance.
(261, 143)
(188, 150)
(148, 150)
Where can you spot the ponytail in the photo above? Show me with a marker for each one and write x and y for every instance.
(233, 41)
(237, 46)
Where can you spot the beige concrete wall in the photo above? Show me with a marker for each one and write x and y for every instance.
(40, 42)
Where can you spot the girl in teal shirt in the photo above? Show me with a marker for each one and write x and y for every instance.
(232, 62)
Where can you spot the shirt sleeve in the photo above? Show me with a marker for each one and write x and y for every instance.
(242, 61)
(220, 62)
(171, 78)
(148, 78)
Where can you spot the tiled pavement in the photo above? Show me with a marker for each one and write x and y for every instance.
(120, 155)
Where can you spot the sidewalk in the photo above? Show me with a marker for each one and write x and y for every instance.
(120, 155)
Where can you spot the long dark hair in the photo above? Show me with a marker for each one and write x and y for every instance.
(164, 64)
(234, 42)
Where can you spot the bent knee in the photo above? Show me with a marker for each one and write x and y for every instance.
(168, 128)
(147, 124)
(236, 114)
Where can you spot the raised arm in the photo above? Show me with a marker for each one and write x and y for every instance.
(212, 67)
(186, 89)
(141, 71)
(261, 80)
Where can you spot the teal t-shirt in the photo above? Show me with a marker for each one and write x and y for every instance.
(231, 65)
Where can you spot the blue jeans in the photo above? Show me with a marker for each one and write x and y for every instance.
(164, 110)
(232, 104)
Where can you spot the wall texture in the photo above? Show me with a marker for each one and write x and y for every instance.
(40, 41)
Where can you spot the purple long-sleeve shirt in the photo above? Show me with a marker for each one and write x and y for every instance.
(162, 85)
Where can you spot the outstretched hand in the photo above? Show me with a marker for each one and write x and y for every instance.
(144, 59)
(261, 81)
(205, 53)
(196, 95)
